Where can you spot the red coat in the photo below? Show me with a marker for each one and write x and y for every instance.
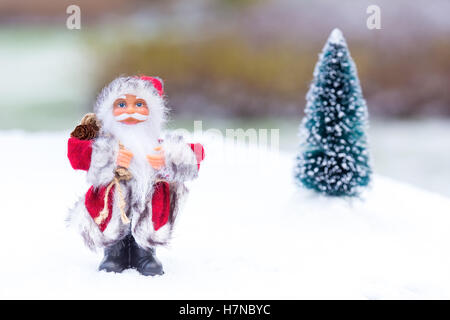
(79, 153)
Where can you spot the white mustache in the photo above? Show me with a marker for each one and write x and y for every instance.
(136, 116)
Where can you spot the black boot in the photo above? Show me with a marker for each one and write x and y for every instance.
(117, 257)
(144, 261)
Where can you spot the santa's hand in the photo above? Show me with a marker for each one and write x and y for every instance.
(157, 161)
(124, 158)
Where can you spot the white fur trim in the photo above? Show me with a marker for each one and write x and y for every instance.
(103, 161)
(116, 229)
(142, 225)
(80, 219)
(144, 232)
(181, 162)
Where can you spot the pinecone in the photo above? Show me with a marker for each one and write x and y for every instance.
(88, 129)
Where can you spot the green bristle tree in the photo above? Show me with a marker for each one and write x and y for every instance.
(334, 157)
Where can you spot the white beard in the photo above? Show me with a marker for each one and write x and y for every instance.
(140, 139)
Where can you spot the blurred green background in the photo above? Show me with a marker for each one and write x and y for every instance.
(237, 64)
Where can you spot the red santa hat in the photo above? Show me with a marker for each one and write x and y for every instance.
(157, 83)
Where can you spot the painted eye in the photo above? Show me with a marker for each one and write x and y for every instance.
(121, 104)
(139, 104)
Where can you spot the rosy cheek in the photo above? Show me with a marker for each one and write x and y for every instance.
(118, 111)
(142, 110)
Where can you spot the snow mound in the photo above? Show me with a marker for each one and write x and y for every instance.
(246, 232)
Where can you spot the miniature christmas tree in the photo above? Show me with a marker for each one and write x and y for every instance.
(334, 157)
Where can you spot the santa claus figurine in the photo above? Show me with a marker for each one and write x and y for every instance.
(137, 178)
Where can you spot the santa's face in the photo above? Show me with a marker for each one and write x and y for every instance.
(130, 109)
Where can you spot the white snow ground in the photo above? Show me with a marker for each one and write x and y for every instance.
(246, 232)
